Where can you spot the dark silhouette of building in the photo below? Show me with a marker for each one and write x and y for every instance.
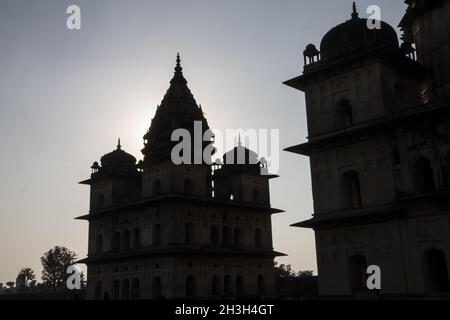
(379, 140)
(160, 230)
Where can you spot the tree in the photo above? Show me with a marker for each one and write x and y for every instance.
(305, 274)
(10, 284)
(28, 276)
(55, 263)
(1, 285)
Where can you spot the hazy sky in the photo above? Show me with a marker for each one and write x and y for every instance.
(66, 96)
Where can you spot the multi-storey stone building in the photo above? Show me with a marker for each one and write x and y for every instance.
(378, 118)
(157, 229)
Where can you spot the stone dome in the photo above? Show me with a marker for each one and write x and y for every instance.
(240, 156)
(118, 162)
(353, 36)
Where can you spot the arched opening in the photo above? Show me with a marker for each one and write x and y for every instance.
(351, 190)
(116, 241)
(260, 285)
(126, 240)
(156, 187)
(156, 288)
(190, 286)
(424, 175)
(188, 186)
(116, 289)
(226, 237)
(258, 238)
(214, 236)
(255, 195)
(446, 170)
(358, 273)
(98, 290)
(156, 235)
(437, 272)
(237, 237)
(99, 243)
(189, 233)
(136, 239)
(100, 201)
(228, 286)
(125, 289)
(239, 286)
(215, 286)
(344, 113)
(135, 289)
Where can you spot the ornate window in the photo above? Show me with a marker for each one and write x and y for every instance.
(351, 190)
(226, 237)
(358, 272)
(125, 289)
(135, 289)
(344, 113)
(190, 286)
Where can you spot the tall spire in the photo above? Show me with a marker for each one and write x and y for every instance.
(178, 76)
(239, 140)
(178, 62)
(355, 14)
(118, 144)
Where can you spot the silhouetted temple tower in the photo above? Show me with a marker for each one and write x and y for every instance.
(156, 229)
(379, 146)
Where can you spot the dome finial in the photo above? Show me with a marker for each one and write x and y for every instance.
(355, 13)
(118, 144)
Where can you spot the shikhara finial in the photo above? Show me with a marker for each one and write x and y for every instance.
(118, 144)
(355, 13)
(178, 60)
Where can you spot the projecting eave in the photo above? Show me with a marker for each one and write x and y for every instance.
(296, 83)
(87, 182)
(151, 252)
(239, 205)
(298, 149)
(349, 216)
(307, 224)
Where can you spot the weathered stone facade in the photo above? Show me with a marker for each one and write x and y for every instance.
(379, 140)
(160, 230)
